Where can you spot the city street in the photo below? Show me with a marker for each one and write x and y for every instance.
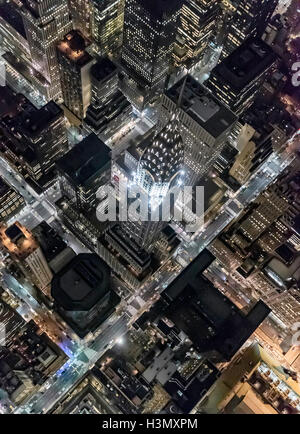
(84, 355)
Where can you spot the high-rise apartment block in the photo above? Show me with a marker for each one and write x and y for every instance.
(84, 169)
(34, 139)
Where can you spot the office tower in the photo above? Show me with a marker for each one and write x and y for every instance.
(225, 161)
(35, 139)
(107, 19)
(294, 236)
(26, 252)
(74, 66)
(83, 170)
(19, 72)
(205, 125)
(261, 143)
(197, 24)
(80, 11)
(271, 205)
(249, 20)
(44, 27)
(149, 35)
(83, 294)
(11, 202)
(109, 110)
(237, 79)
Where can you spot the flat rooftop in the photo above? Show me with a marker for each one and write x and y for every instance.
(202, 106)
(18, 240)
(81, 283)
(246, 63)
(85, 160)
(159, 8)
(73, 47)
(103, 69)
(35, 121)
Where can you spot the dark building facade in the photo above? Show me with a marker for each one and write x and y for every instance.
(11, 202)
(34, 139)
(109, 110)
(237, 79)
(216, 326)
(83, 170)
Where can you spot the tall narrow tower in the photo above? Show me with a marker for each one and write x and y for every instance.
(159, 169)
(197, 23)
(45, 24)
(149, 36)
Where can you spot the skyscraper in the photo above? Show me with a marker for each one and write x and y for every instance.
(205, 124)
(83, 294)
(250, 19)
(74, 65)
(45, 25)
(197, 23)
(107, 18)
(81, 12)
(83, 170)
(12, 30)
(160, 168)
(36, 138)
(237, 79)
(25, 250)
(149, 36)
(109, 110)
